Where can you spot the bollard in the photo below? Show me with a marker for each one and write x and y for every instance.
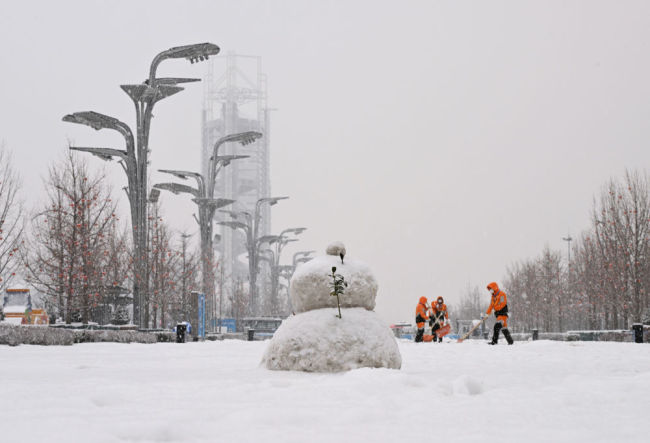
(638, 332)
(535, 334)
(180, 333)
(251, 334)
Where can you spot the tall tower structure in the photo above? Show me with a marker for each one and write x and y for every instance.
(235, 100)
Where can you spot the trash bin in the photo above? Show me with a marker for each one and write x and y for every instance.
(180, 333)
(638, 332)
(251, 334)
(535, 334)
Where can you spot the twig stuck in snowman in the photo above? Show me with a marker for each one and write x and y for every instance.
(338, 286)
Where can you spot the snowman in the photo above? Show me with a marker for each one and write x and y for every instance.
(316, 338)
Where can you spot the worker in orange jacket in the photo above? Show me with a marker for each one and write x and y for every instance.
(420, 318)
(499, 305)
(438, 317)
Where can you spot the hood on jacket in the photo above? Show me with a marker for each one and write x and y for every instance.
(423, 300)
(493, 286)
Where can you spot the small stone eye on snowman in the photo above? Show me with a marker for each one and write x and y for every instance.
(338, 285)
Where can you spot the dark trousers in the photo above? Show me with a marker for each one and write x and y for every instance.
(498, 327)
(433, 332)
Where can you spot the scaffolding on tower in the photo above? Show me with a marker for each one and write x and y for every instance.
(235, 100)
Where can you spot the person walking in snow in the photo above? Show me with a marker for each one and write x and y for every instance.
(438, 317)
(420, 318)
(499, 305)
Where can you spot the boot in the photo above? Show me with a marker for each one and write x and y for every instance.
(495, 334)
(419, 336)
(439, 339)
(506, 334)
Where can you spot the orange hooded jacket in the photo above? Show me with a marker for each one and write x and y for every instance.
(499, 304)
(437, 312)
(421, 313)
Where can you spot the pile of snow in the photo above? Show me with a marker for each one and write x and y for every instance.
(310, 284)
(316, 339)
(319, 341)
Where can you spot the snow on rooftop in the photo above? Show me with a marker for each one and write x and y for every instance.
(16, 309)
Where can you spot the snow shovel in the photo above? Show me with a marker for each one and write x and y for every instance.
(444, 330)
(460, 340)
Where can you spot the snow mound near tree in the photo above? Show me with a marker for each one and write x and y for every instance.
(310, 284)
(319, 341)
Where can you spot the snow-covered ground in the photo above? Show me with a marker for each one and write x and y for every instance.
(217, 392)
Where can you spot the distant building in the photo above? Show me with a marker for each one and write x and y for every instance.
(235, 100)
(17, 308)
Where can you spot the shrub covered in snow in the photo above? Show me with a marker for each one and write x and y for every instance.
(97, 336)
(613, 335)
(319, 341)
(14, 335)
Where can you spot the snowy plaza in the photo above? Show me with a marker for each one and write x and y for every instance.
(217, 392)
(304, 221)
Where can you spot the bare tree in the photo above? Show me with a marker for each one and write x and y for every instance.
(589, 286)
(472, 304)
(607, 284)
(187, 281)
(239, 302)
(11, 220)
(69, 255)
(164, 271)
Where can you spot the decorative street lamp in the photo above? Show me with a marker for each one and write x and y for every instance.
(286, 271)
(207, 205)
(250, 227)
(134, 160)
(274, 262)
(301, 256)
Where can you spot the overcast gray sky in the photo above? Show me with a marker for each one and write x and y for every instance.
(440, 141)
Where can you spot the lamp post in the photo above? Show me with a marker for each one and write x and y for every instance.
(568, 240)
(301, 256)
(207, 205)
(134, 160)
(250, 227)
(274, 264)
(298, 257)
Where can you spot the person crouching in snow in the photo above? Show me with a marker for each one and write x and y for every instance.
(438, 317)
(499, 305)
(420, 318)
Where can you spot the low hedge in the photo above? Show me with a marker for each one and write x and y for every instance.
(14, 335)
